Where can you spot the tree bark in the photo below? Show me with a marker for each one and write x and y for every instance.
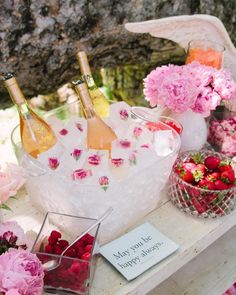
(39, 39)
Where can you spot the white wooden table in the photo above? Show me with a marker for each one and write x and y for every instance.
(205, 263)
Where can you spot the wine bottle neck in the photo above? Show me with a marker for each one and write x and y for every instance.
(87, 104)
(90, 82)
(23, 109)
(14, 91)
(85, 69)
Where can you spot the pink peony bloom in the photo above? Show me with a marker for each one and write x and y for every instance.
(14, 235)
(192, 86)
(81, 174)
(6, 183)
(53, 163)
(17, 174)
(12, 292)
(20, 271)
(11, 180)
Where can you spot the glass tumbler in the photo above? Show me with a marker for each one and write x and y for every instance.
(205, 52)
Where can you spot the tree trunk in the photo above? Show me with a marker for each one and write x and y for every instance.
(39, 39)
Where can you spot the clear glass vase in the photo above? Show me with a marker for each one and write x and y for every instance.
(222, 131)
(74, 273)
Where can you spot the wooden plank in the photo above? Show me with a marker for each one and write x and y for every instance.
(210, 273)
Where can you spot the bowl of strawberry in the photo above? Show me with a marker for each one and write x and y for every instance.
(203, 183)
(74, 273)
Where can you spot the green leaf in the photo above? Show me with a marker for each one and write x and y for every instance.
(5, 207)
(198, 175)
(197, 158)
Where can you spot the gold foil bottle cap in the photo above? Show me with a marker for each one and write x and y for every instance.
(83, 63)
(13, 88)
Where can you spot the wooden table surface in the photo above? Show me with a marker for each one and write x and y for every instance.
(192, 234)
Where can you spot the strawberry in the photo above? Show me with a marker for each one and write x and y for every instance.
(189, 166)
(197, 174)
(202, 168)
(220, 185)
(212, 162)
(228, 176)
(194, 192)
(201, 208)
(186, 176)
(212, 177)
(196, 159)
(211, 197)
(224, 166)
(205, 184)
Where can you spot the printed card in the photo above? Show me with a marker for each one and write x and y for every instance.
(138, 250)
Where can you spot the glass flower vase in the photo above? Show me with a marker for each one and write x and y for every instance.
(194, 133)
(222, 130)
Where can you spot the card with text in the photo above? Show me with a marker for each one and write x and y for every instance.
(138, 250)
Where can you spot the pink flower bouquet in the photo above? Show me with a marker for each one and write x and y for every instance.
(193, 86)
(21, 273)
(12, 236)
(11, 180)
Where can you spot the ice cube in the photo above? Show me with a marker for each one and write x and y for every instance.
(96, 160)
(103, 179)
(55, 124)
(74, 133)
(163, 142)
(140, 134)
(120, 118)
(121, 148)
(145, 157)
(51, 158)
(119, 168)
